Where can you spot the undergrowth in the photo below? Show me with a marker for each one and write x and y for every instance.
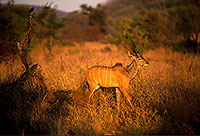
(165, 95)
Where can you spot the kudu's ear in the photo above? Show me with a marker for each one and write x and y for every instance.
(138, 54)
(129, 54)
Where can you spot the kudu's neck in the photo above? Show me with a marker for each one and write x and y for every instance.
(132, 69)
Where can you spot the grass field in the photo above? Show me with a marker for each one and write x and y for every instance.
(165, 94)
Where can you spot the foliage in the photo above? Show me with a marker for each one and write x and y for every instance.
(153, 23)
(48, 21)
(166, 22)
(48, 24)
(149, 20)
(189, 23)
(13, 19)
(97, 16)
(180, 46)
(129, 36)
(136, 34)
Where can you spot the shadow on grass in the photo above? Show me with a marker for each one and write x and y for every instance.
(183, 110)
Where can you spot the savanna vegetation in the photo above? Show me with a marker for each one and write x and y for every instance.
(43, 89)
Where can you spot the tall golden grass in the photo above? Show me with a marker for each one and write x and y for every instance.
(165, 95)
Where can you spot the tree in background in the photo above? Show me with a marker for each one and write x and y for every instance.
(154, 24)
(48, 24)
(97, 16)
(12, 22)
(188, 24)
(129, 36)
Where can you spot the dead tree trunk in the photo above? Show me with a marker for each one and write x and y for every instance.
(24, 46)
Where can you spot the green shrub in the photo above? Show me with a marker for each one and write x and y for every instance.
(129, 36)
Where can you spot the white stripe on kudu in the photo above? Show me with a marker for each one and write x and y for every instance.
(106, 76)
(99, 75)
(102, 76)
(110, 79)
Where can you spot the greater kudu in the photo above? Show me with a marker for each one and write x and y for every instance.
(116, 76)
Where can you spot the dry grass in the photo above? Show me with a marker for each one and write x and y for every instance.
(165, 95)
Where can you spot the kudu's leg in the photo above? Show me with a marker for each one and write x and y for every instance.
(126, 95)
(92, 89)
(118, 97)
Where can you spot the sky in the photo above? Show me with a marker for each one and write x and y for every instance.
(64, 5)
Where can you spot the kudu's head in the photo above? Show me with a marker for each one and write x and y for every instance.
(140, 60)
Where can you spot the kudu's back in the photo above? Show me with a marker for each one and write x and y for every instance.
(107, 76)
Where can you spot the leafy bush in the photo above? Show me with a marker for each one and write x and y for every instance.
(129, 36)
(153, 23)
(96, 16)
(13, 19)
